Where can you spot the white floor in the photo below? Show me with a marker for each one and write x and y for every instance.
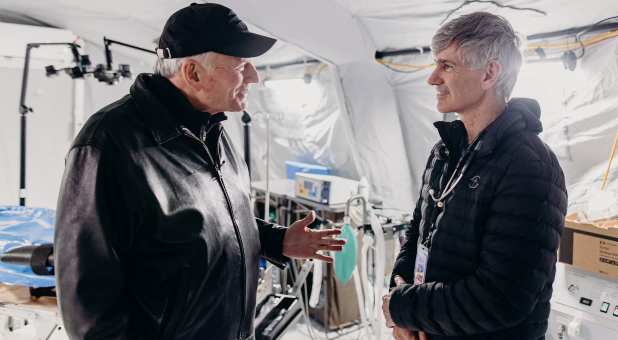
(299, 331)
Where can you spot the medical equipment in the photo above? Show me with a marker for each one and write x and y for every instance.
(25, 245)
(31, 320)
(82, 68)
(40, 258)
(584, 305)
(345, 260)
(369, 294)
(324, 189)
(292, 168)
(274, 314)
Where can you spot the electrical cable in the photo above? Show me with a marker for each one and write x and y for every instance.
(609, 162)
(569, 47)
(578, 35)
(572, 45)
(302, 287)
(395, 66)
(495, 3)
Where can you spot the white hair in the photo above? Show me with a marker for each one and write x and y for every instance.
(169, 67)
(483, 37)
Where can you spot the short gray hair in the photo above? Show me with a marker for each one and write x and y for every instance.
(169, 67)
(483, 37)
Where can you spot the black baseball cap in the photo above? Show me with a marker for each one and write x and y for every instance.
(209, 27)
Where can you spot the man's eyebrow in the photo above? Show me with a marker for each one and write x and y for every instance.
(445, 61)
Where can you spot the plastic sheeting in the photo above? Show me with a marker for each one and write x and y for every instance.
(379, 133)
(21, 226)
(416, 105)
(306, 123)
(586, 132)
(579, 115)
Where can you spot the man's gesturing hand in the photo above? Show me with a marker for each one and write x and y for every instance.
(303, 243)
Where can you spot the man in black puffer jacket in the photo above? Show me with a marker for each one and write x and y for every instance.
(480, 258)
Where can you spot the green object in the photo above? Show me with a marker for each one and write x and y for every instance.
(272, 216)
(345, 260)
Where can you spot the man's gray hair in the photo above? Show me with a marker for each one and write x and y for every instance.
(169, 67)
(483, 37)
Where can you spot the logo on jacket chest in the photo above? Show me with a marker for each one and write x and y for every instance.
(474, 182)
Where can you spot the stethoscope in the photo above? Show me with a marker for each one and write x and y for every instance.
(458, 174)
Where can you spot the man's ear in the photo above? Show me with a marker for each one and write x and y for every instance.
(492, 72)
(189, 72)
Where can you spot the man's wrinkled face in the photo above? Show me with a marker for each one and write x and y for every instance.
(227, 82)
(458, 86)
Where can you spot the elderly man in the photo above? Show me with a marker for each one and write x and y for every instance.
(480, 258)
(156, 238)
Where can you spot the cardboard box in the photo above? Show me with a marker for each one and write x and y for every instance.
(589, 247)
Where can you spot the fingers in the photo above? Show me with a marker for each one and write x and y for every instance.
(404, 334)
(386, 311)
(331, 242)
(310, 217)
(399, 280)
(422, 336)
(333, 247)
(324, 258)
(326, 232)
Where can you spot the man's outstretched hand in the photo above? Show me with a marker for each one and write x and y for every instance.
(300, 242)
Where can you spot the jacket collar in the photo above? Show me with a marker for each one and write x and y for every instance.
(519, 114)
(164, 109)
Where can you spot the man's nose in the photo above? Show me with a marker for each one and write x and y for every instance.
(250, 73)
(434, 78)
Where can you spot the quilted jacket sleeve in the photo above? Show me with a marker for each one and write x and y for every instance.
(404, 264)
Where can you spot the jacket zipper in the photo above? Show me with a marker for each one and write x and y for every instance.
(243, 273)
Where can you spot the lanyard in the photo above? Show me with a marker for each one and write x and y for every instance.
(462, 165)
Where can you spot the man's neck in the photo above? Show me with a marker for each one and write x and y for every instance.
(188, 93)
(478, 119)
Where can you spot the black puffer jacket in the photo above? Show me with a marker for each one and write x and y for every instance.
(493, 245)
(155, 235)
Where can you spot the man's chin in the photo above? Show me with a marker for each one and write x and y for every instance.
(443, 108)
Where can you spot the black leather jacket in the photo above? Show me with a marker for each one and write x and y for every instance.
(155, 234)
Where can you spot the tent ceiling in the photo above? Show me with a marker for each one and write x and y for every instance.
(398, 24)
(338, 31)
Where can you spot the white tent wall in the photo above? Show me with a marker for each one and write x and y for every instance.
(306, 121)
(98, 94)
(416, 105)
(49, 134)
(585, 132)
(49, 129)
(60, 105)
(377, 132)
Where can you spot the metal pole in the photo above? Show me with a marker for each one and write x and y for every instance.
(110, 41)
(267, 198)
(108, 53)
(23, 111)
